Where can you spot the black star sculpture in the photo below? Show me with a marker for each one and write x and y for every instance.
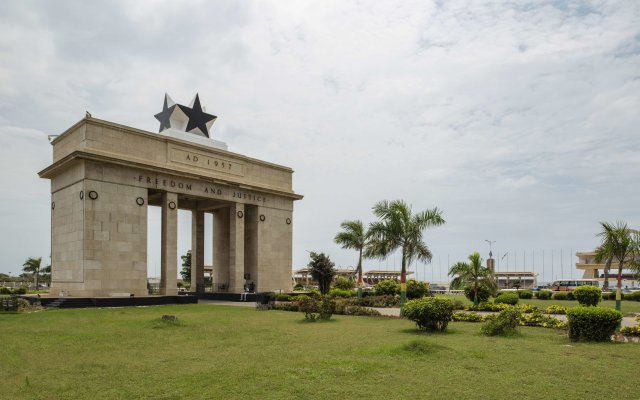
(165, 115)
(198, 119)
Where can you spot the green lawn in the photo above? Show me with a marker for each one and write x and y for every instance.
(627, 306)
(239, 353)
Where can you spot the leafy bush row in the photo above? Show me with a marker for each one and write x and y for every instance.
(467, 317)
(555, 309)
(543, 294)
(389, 287)
(630, 330)
(8, 290)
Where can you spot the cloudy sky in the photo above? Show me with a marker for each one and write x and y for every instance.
(518, 119)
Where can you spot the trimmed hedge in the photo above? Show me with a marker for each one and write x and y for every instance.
(507, 298)
(588, 295)
(468, 317)
(592, 324)
(543, 294)
(525, 294)
(387, 287)
(429, 313)
(560, 296)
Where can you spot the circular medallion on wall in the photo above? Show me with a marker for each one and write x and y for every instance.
(288, 221)
(81, 194)
(172, 205)
(140, 201)
(93, 195)
(240, 214)
(262, 217)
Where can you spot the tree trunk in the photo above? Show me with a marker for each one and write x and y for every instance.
(607, 267)
(360, 274)
(475, 293)
(403, 281)
(619, 291)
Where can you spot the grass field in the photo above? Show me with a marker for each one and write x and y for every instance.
(218, 352)
(628, 307)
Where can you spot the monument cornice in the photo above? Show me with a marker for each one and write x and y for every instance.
(61, 164)
(162, 138)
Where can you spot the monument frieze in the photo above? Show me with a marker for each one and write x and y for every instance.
(206, 162)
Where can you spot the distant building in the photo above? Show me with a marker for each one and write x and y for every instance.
(594, 270)
(302, 275)
(375, 276)
(516, 280)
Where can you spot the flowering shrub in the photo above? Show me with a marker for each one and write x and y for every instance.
(536, 318)
(488, 307)
(527, 308)
(468, 317)
(630, 330)
(555, 309)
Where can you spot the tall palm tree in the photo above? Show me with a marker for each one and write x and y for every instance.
(398, 228)
(32, 265)
(473, 274)
(604, 252)
(353, 236)
(618, 242)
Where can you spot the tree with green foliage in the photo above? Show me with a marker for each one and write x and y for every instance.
(398, 228)
(33, 266)
(620, 243)
(354, 236)
(472, 274)
(185, 272)
(322, 271)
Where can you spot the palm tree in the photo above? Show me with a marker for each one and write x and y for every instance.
(399, 229)
(354, 237)
(605, 252)
(472, 274)
(619, 243)
(32, 265)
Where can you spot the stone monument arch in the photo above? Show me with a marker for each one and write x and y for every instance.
(104, 176)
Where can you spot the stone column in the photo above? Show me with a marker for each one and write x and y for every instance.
(220, 248)
(236, 248)
(169, 245)
(197, 251)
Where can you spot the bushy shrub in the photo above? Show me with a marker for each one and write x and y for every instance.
(505, 323)
(317, 307)
(507, 298)
(560, 296)
(536, 318)
(588, 295)
(483, 293)
(23, 305)
(525, 294)
(555, 309)
(20, 290)
(543, 294)
(5, 290)
(283, 297)
(595, 324)
(377, 301)
(458, 304)
(416, 290)
(467, 317)
(387, 287)
(571, 296)
(429, 313)
(298, 287)
(346, 307)
(344, 283)
(335, 292)
(289, 306)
